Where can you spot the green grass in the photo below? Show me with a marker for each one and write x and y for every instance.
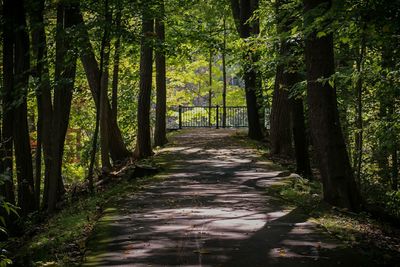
(61, 240)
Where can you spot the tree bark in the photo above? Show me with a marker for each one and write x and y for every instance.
(281, 129)
(300, 137)
(118, 149)
(210, 87)
(224, 76)
(104, 112)
(117, 48)
(7, 190)
(65, 69)
(337, 176)
(22, 147)
(43, 93)
(393, 150)
(359, 120)
(242, 11)
(143, 139)
(160, 137)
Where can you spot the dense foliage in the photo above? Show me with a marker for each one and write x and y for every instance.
(70, 67)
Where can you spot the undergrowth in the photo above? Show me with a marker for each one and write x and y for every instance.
(377, 239)
(61, 240)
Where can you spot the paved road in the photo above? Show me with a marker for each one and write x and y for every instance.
(210, 211)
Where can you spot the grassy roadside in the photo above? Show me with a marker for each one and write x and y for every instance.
(378, 239)
(61, 240)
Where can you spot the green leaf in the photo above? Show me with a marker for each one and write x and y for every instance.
(321, 34)
(294, 29)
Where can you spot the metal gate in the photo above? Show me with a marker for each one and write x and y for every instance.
(204, 116)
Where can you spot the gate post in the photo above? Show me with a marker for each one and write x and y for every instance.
(217, 117)
(180, 116)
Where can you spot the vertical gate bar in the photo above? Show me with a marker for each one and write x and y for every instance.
(217, 115)
(242, 116)
(180, 117)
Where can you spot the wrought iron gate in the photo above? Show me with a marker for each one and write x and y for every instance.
(204, 116)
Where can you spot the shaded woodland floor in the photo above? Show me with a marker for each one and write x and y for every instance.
(212, 209)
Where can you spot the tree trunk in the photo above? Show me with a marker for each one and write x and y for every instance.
(281, 131)
(224, 76)
(22, 147)
(65, 69)
(117, 48)
(143, 139)
(242, 11)
(359, 120)
(395, 167)
(337, 176)
(43, 94)
(7, 190)
(118, 149)
(300, 138)
(394, 148)
(210, 87)
(160, 137)
(382, 154)
(104, 112)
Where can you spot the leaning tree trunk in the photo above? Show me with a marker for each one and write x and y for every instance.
(337, 176)
(22, 147)
(118, 150)
(143, 139)
(160, 137)
(242, 11)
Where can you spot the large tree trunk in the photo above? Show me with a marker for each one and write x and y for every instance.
(43, 93)
(300, 137)
(283, 127)
(160, 137)
(143, 140)
(65, 69)
(280, 132)
(118, 149)
(7, 190)
(337, 176)
(242, 11)
(104, 111)
(22, 147)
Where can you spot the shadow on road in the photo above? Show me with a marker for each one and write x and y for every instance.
(208, 212)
